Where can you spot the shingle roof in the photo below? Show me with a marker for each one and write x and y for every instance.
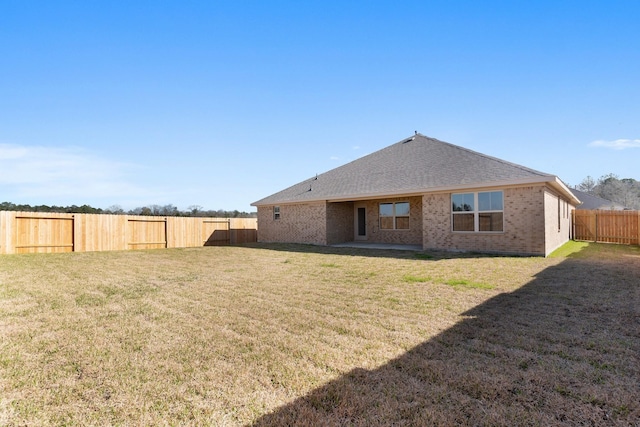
(414, 165)
(591, 202)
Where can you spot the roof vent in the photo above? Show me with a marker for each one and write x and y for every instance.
(409, 140)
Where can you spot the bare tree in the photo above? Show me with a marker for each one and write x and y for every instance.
(195, 209)
(624, 191)
(587, 185)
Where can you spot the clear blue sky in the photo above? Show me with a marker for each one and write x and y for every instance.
(221, 103)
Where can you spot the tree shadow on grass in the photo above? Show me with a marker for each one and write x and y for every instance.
(562, 350)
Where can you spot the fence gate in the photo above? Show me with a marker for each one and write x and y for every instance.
(43, 234)
(216, 232)
(147, 233)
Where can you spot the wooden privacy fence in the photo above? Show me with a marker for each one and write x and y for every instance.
(25, 232)
(607, 226)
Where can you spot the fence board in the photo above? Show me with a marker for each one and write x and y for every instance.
(7, 220)
(243, 230)
(607, 226)
(216, 232)
(184, 232)
(100, 232)
(50, 232)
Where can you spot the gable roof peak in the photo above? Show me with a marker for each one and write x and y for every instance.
(413, 165)
(485, 156)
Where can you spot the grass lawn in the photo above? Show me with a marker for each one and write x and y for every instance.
(296, 335)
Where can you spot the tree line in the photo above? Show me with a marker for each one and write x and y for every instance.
(151, 210)
(625, 191)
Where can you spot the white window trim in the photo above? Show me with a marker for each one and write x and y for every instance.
(476, 213)
(276, 213)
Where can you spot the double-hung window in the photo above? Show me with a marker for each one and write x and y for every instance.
(276, 212)
(394, 216)
(478, 212)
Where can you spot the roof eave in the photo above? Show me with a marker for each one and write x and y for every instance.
(553, 180)
(561, 186)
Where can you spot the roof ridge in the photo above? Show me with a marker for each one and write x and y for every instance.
(416, 162)
(486, 156)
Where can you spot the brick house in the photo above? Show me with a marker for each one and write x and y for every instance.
(422, 191)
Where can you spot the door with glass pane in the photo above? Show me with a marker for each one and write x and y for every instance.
(360, 222)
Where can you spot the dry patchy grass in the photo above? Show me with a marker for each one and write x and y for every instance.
(296, 335)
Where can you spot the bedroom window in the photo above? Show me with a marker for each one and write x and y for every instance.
(394, 216)
(276, 212)
(478, 212)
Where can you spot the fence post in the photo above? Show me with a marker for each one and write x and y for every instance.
(73, 233)
(166, 233)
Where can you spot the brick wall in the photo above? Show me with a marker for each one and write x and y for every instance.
(300, 223)
(525, 211)
(412, 236)
(524, 231)
(557, 213)
(340, 222)
(329, 223)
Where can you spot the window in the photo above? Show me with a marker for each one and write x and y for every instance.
(394, 216)
(477, 212)
(276, 212)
